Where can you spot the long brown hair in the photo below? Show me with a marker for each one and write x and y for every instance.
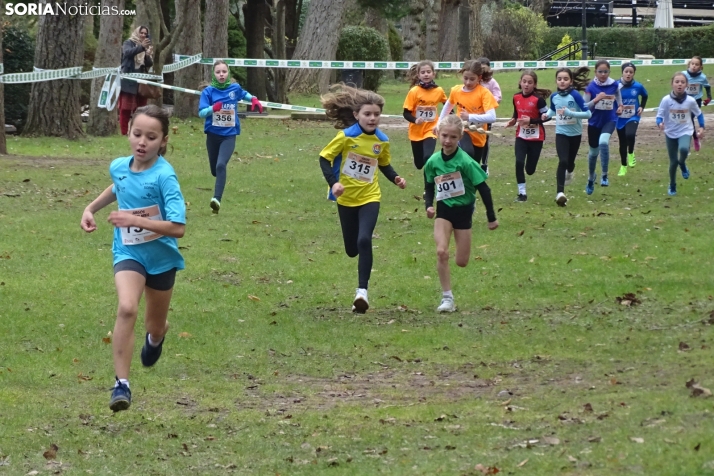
(544, 93)
(414, 71)
(157, 113)
(473, 66)
(579, 78)
(343, 101)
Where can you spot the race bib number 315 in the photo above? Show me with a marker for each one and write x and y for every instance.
(449, 186)
(131, 235)
(360, 167)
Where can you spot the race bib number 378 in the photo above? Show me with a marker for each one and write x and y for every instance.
(131, 235)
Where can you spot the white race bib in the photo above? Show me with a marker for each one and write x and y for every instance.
(628, 111)
(224, 118)
(360, 167)
(449, 186)
(693, 89)
(679, 116)
(135, 236)
(562, 120)
(606, 103)
(530, 132)
(428, 113)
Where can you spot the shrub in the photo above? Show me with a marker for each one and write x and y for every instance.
(360, 43)
(395, 43)
(516, 33)
(566, 41)
(18, 57)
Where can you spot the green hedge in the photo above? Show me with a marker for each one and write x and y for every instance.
(625, 42)
(361, 43)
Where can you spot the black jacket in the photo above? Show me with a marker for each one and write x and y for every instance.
(128, 51)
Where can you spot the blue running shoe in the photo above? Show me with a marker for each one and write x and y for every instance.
(604, 182)
(672, 190)
(685, 172)
(121, 397)
(590, 188)
(150, 354)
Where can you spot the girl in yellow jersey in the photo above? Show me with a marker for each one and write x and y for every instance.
(349, 163)
(475, 104)
(420, 110)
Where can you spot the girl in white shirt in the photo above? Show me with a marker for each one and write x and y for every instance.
(673, 118)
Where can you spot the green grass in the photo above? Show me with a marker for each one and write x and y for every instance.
(541, 363)
(394, 92)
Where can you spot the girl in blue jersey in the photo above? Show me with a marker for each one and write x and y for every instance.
(219, 105)
(568, 108)
(603, 98)
(696, 81)
(628, 120)
(673, 119)
(151, 216)
(349, 164)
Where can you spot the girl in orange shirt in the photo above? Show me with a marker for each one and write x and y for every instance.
(475, 104)
(420, 110)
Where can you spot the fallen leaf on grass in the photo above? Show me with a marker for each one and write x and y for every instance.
(571, 459)
(107, 340)
(588, 407)
(594, 439)
(52, 452)
(698, 390)
(520, 233)
(551, 440)
(522, 463)
(683, 346)
(253, 298)
(628, 299)
(637, 439)
(184, 335)
(487, 469)
(83, 378)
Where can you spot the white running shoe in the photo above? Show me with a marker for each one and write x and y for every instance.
(561, 199)
(360, 304)
(215, 205)
(447, 305)
(569, 177)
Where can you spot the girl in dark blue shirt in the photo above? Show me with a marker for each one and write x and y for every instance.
(628, 120)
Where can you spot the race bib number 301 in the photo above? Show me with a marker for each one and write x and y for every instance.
(449, 186)
(679, 116)
(360, 167)
(131, 235)
(606, 103)
(561, 119)
(224, 118)
(428, 113)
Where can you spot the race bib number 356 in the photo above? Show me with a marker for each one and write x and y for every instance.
(224, 118)
(449, 186)
(360, 167)
(131, 235)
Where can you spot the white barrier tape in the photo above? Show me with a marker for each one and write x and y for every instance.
(272, 105)
(109, 96)
(441, 65)
(181, 62)
(97, 73)
(48, 75)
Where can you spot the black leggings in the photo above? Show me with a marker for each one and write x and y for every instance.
(527, 155)
(567, 148)
(357, 227)
(476, 153)
(626, 136)
(220, 149)
(422, 150)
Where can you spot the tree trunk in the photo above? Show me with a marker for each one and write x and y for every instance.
(448, 30)
(103, 122)
(318, 41)
(3, 143)
(255, 13)
(279, 50)
(476, 31)
(412, 43)
(189, 43)
(215, 36)
(55, 105)
(376, 20)
(431, 50)
(292, 23)
(464, 32)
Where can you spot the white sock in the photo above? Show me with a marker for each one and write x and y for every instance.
(123, 381)
(521, 189)
(363, 291)
(448, 294)
(153, 343)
